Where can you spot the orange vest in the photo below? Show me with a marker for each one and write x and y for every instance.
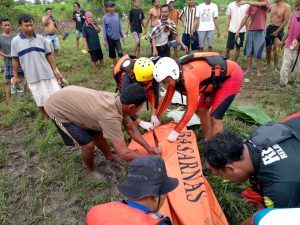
(114, 213)
(195, 64)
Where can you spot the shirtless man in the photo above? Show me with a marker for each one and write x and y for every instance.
(279, 17)
(153, 15)
(50, 29)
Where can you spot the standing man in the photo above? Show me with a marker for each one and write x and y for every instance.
(190, 35)
(88, 118)
(164, 28)
(5, 51)
(51, 29)
(152, 16)
(255, 42)
(279, 17)
(78, 17)
(235, 14)
(207, 21)
(173, 16)
(112, 32)
(291, 64)
(135, 21)
(33, 53)
(91, 39)
(270, 158)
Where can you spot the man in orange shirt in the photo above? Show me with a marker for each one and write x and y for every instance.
(173, 16)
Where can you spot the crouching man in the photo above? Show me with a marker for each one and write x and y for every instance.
(269, 158)
(88, 117)
(146, 188)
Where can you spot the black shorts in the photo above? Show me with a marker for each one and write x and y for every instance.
(113, 46)
(191, 42)
(270, 39)
(96, 55)
(73, 134)
(164, 50)
(232, 41)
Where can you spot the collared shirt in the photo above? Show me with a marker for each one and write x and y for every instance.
(189, 14)
(31, 53)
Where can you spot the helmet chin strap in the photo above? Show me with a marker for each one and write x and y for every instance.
(158, 203)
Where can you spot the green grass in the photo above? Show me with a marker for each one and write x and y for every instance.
(60, 11)
(45, 182)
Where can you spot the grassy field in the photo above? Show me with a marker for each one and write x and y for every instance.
(44, 182)
(61, 11)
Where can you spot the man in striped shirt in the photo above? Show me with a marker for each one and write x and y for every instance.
(188, 16)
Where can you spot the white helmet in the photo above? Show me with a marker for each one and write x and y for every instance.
(166, 67)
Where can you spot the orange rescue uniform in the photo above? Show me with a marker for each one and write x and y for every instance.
(193, 81)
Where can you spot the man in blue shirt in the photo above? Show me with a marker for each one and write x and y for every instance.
(112, 32)
(146, 188)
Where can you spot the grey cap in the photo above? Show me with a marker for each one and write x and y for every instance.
(147, 176)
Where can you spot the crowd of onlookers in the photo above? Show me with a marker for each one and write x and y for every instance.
(245, 22)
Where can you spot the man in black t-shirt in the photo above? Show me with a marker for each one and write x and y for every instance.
(135, 21)
(78, 17)
(274, 167)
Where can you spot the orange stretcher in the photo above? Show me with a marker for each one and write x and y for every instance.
(193, 201)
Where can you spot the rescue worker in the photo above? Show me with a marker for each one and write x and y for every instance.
(130, 70)
(210, 83)
(146, 188)
(270, 158)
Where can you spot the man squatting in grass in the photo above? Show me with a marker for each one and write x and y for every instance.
(91, 39)
(146, 188)
(89, 117)
(5, 50)
(135, 21)
(33, 53)
(273, 168)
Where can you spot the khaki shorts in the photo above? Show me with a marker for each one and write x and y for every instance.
(137, 37)
(43, 89)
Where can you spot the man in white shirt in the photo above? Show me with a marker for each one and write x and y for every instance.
(207, 22)
(235, 14)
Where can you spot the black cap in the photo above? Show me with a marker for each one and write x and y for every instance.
(147, 176)
(109, 4)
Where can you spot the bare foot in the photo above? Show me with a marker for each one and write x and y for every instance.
(259, 74)
(247, 72)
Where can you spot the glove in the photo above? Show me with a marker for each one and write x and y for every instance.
(146, 125)
(155, 121)
(173, 136)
